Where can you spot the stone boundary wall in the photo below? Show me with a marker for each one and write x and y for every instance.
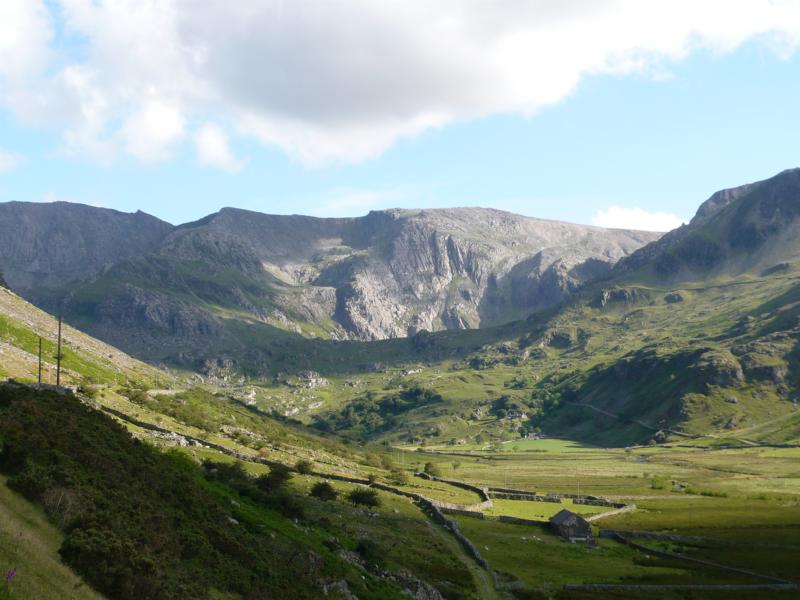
(599, 502)
(666, 554)
(618, 511)
(518, 520)
(654, 535)
(482, 492)
(525, 497)
(511, 491)
(466, 507)
(463, 513)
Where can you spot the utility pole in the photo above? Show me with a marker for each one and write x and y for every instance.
(58, 355)
(40, 360)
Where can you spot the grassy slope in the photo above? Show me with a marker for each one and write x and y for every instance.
(84, 359)
(29, 542)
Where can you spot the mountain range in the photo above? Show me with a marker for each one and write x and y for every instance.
(145, 285)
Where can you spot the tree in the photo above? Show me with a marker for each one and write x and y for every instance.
(277, 476)
(304, 467)
(324, 491)
(364, 497)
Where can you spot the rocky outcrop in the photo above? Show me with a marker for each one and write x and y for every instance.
(624, 296)
(718, 367)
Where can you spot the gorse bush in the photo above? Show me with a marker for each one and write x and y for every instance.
(304, 467)
(324, 491)
(364, 497)
(433, 469)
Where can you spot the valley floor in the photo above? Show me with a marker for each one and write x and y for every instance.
(735, 507)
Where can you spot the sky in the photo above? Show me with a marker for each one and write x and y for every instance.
(618, 113)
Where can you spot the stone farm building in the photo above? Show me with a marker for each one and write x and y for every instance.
(571, 527)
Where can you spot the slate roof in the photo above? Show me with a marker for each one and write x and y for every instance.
(562, 517)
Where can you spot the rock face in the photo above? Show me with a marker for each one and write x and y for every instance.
(48, 244)
(388, 274)
(752, 228)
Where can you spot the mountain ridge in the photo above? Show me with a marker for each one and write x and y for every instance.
(745, 228)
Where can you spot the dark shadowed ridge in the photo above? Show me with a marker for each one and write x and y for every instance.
(744, 229)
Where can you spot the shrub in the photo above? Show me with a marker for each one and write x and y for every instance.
(364, 497)
(304, 467)
(277, 476)
(324, 491)
(432, 469)
(371, 552)
(88, 391)
(399, 477)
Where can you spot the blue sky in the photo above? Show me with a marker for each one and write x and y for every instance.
(610, 148)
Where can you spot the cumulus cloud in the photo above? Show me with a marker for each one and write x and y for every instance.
(212, 149)
(9, 160)
(150, 133)
(619, 217)
(340, 81)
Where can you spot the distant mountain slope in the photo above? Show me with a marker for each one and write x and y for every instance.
(48, 244)
(158, 290)
(745, 229)
(396, 272)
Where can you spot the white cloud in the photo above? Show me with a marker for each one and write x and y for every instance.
(9, 160)
(212, 149)
(25, 34)
(339, 81)
(619, 217)
(150, 133)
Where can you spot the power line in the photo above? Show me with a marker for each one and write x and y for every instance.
(58, 355)
(40, 360)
